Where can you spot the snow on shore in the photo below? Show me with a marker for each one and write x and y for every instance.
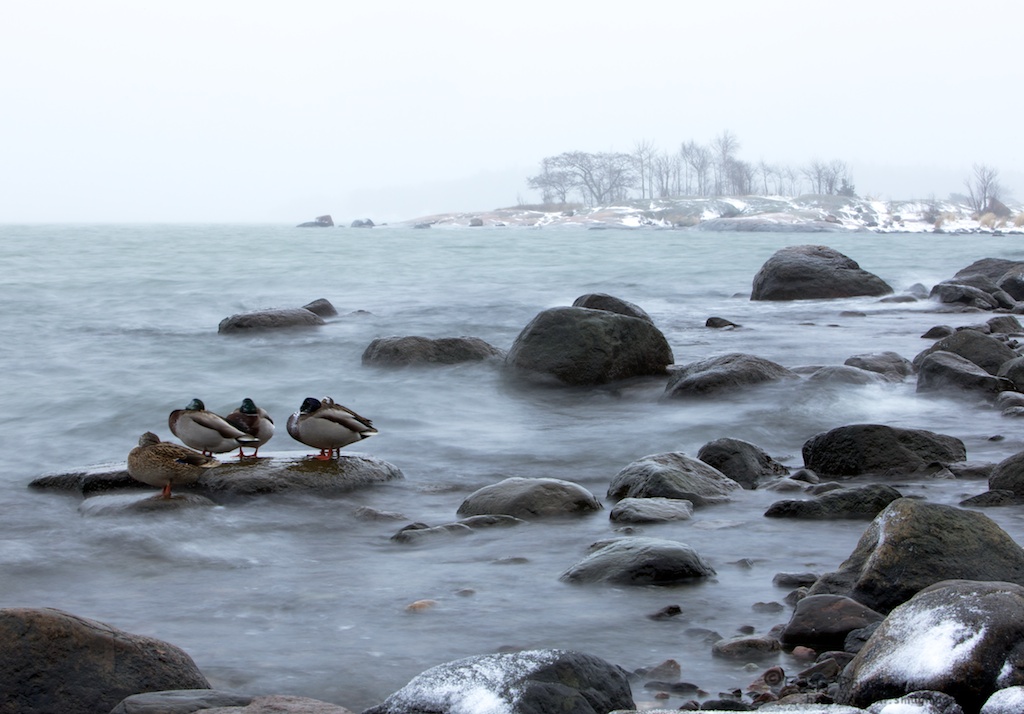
(749, 213)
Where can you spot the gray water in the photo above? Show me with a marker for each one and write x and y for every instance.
(106, 329)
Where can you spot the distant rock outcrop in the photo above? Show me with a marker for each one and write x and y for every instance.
(319, 222)
(814, 272)
(362, 223)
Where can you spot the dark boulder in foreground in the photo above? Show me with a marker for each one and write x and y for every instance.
(530, 498)
(530, 682)
(962, 638)
(404, 351)
(725, 373)
(860, 502)
(913, 544)
(639, 561)
(275, 319)
(814, 272)
(877, 449)
(743, 462)
(578, 346)
(52, 661)
(609, 303)
(672, 475)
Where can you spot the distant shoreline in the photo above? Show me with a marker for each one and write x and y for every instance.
(810, 213)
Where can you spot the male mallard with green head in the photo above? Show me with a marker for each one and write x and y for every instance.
(206, 431)
(161, 463)
(254, 421)
(327, 426)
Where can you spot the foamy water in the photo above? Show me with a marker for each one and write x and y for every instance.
(108, 328)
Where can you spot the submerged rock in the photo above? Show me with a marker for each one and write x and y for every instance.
(530, 498)
(877, 449)
(859, 502)
(913, 544)
(745, 463)
(639, 561)
(814, 272)
(723, 374)
(404, 351)
(529, 682)
(672, 475)
(577, 346)
(276, 319)
(958, 637)
(53, 661)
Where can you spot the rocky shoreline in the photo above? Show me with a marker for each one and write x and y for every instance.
(925, 614)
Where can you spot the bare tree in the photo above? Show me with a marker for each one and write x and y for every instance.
(554, 181)
(599, 178)
(698, 158)
(666, 172)
(643, 157)
(982, 187)
(724, 146)
(767, 171)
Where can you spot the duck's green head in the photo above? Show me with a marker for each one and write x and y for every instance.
(248, 406)
(196, 405)
(309, 405)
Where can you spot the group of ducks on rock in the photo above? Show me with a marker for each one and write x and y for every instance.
(320, 423)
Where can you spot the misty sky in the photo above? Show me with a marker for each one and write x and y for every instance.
(252, 111)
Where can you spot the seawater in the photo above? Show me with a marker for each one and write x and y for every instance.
(107, 328)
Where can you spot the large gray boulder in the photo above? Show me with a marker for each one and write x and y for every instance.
(725, 373)
(962, 638)
(274, 319)
(530, 498)
(53, 661)
(913, 544)
(410, 350)
(578, 346)
(530, 682)
(672, 475)
(859, 502)
(814, 272)
(983, 350)
(879, 450)
(950, 373)
(639, 561)
(180, 701)
(745, 463)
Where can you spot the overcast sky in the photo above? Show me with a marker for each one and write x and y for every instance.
(252, 111)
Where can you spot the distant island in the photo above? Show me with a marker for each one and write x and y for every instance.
(807, 213)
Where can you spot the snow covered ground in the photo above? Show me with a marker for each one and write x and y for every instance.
(811, 213)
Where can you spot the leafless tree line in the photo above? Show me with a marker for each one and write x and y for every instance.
(701, 170)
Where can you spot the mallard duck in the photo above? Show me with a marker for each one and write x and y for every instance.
(161, 463)
(327, 426)
(206, 431)
(254, 421)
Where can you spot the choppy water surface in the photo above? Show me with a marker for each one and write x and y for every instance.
(106, 329)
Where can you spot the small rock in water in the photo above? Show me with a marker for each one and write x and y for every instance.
(420, 605)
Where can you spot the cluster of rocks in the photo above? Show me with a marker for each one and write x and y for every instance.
(925, 612)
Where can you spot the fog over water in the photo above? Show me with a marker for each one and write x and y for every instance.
(234, 111)
(109, 328)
